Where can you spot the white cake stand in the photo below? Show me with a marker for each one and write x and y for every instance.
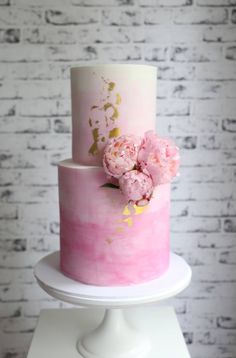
(114, 337)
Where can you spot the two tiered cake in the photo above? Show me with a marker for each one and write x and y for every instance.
(114, 196)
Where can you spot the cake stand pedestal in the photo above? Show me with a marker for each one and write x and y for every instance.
(115, 336)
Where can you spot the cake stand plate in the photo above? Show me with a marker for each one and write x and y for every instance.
(114, 337)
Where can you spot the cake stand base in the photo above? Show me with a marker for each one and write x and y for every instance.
(124, 341)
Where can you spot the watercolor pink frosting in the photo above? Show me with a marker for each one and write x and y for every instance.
(105, 242)
(137, 187)
(121, 154)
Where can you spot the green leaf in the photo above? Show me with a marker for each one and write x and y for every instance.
(110, 185)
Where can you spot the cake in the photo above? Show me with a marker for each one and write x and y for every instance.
(114, 203)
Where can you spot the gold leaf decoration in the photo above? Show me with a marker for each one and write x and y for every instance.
(111, 86)
(115, 132)
(108, 105)
(118, 98)
(94, 147)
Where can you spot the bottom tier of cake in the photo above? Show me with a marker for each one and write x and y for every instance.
(104, 241)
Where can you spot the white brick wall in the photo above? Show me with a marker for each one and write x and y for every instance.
(193, 44)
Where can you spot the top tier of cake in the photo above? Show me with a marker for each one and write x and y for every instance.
(108, 101)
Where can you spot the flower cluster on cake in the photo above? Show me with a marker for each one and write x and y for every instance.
(139, 164)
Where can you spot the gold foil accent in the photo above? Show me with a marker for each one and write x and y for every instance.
(118, 98)
(119, 229)
(139, 209)
(111, 86)
(94, 147)
(126, 211)
(115, 132)
(129, 221)
(108, 104)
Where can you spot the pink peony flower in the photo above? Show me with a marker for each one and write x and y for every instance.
(158, 157)
(120, 155)
(137, 187)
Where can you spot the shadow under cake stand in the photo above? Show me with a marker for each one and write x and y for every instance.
(114, 337)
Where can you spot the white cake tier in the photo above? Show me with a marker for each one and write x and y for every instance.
(108, 101)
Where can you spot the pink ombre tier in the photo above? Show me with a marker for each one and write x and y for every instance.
(107, 101)
(104, 242)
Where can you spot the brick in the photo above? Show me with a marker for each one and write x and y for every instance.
(212, 107)
(103, 2)
(170, 108)
(9, 36)
(17, 228)
(8, 212)
(180, 209)
(178, 72)
(229, 125)
(43, 108)
(35, 194)
(228, 141)
(216, 2)
(9, 177)
(233, 16)
(226, 322)
(26, 54)
(39, 177)
(195, 225)
(219, 241)
(7, 109)
(119, 17)
(195, 53)
(68, 53)
(204, 124)
(155, 54)
(16, 245)
(61, 125)
(212, 71)
(44, 89)
(24, 125)
(40, 3)
(62, 35)
(44, 245)
(155, 16)
(201, 174)
(23, 160)
(4, 2)
(49, 142)
(218, 34)
(199, 89)
(213, 209)
(9, 90)
(171, 3)
(202, 191)
(55, 228)
(230, 225)
(187, 142)
(230, 53)
(20, 16)
(227, 257)
(200, 16)
(120, 53)
(210, 142)
(71, 16)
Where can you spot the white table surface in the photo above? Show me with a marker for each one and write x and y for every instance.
(59, 329)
